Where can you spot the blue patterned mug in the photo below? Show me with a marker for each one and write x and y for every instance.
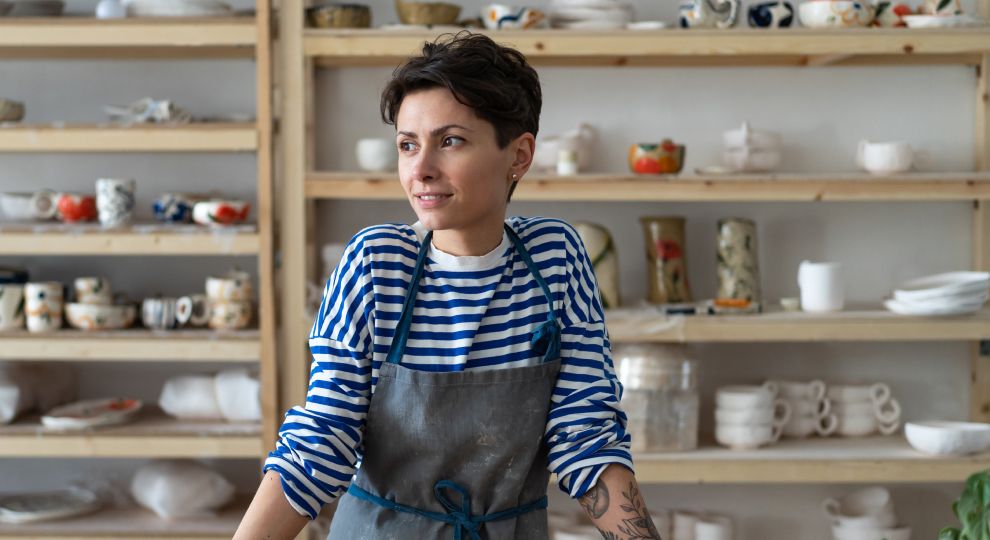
(771, 15)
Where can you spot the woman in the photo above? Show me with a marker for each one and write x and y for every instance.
(463, 358)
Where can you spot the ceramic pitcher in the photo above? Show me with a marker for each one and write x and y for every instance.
(601, 250)
(738, 265)
(667, 269)
(709, 13)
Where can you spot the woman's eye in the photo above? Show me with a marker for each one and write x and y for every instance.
(452, 140)
(405, 146)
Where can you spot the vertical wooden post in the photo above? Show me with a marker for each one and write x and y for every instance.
(979, 391)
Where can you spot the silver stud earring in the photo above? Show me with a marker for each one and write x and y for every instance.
(515, 176)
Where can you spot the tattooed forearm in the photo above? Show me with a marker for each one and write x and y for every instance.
(595, 501)
(639, 524)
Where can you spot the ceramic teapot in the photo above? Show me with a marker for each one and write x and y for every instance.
(709, 13)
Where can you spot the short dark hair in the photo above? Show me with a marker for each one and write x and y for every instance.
(495, 81)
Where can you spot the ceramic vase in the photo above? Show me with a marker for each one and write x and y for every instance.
(738, 265)
(666, 265)
(601, 250)
(115, 201)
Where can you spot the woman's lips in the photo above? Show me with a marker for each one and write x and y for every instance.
(431, 199)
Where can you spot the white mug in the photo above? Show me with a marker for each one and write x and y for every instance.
(822, 288)
(869, 508)
(877, 393)
(746, 396)
(43, 302)
(861, 425)
(885, 157)
(377, 155)
(11, 306)
(777, 412)
(115, 201)
(812, 390)
(747, 437)
(684, 523)
(805, 407)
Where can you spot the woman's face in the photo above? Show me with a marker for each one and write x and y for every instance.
(450, 166)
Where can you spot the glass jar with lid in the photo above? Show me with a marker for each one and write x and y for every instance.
(660, 396)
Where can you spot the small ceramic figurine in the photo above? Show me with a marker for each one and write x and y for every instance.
(709, 13)
(663, 158)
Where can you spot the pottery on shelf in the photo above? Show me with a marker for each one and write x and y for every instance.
(836, 14)
(709, 13)
(43, 302)
(115, 201)
(192, 310)
(11, 306)
(230, 315)
(232, 286)
(100, 316)
(221, 212)
(650, 158)
(776, 14)
(601, 250)
(376, 154)
(36, 206)
(738, 261)
(504, 16)
(891, 14)
(76, 207)
(666, 263)
(579, 140)
(428, 13)
(339, 15)
(159, 313)
(92, 290)
(10, 110)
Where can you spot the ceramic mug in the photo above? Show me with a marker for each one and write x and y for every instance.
(941, 7)
(234, 285)
(861, 425)
(822, 288)
(11, 306)
(115, 201)
(377, 154)
(76, 207)
(229, 315)
(747, 437)
(779, 412)
(771, 15)
(878, 393)
(39, 205)
(713, 527)
(708, 13)
(888, 157)
(800, 427)
(746, 396)
(192, 310)
(813, 390)
(43, 302)
(92, 290)
(175, 207)
(869, 508)
(503, 16)
(159, 313)
(810, 407)
(887, 412)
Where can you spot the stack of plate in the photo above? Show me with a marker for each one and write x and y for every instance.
(37, 8)
(177, 8)
(951, 293)
(590, 14)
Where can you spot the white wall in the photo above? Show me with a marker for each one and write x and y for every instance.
(822, 113)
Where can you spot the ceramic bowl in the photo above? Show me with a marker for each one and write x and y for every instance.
(10, 110)
(429, 13)
(747, 137)
(335, 15)
(230, 315)
(220, 213)
(76, 207)
(846, 533)
(948, 438)
(942, 285)
(233, 285)
(835, 14)
(28, 206)
(176, 207)
(100, 317)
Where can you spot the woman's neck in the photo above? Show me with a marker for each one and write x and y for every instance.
(468, 242)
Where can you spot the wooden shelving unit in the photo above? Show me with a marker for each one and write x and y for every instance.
(827, 461)
(749, 187)
(133, 523)
(151, 435)
(133, 345)
(150, 239)
(205, 137)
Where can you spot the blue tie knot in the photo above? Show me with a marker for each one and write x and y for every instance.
(461, 518)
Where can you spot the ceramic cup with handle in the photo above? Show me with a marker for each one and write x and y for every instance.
(159, 313)
(806, 407)
(813, 390)
(192, 310)
(11, 306)
(822, 287)
(747, 437)
(878, 393)
(377, 154)
(860, 425)
(888, 157)
(869, 508)
(746, 396)
(115, 201)
(43, 302)
(777, 412)
(92, 290)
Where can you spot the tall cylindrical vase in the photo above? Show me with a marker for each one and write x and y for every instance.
(738, 264)
(601, 250)
(666, 266)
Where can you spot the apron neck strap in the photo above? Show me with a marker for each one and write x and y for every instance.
(544, 338)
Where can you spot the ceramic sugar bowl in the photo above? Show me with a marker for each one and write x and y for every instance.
(651, 158)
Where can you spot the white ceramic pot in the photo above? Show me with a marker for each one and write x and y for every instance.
(806, 407)
(892, 533)
(747, 137)
(92, 290)
(822, 287)
(43, 305)
(948, 438)
(234, 285)
(11, 306)
(850, 393)
(28, 206)
(579, 140)
(868, 508)
(887, 157)
(115, 201)
(812, 390)
(835, 14)
(230, 315)
(100, 317)
(747, 437)
(745, 396)
(684, 523)
(752, 159)
(377, 154)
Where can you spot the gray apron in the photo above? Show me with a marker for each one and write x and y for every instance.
(454, 455)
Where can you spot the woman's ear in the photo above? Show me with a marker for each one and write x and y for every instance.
(523, 148)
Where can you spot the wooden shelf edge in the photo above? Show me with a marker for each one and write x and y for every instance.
(65, 244)
(172, 446)
(205, 137)
(131, 346)
(806, 472)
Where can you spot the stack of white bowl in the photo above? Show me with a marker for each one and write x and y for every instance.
(751, 150)
(748, 417)
(811, 410)
(867, 514)
(864, 409)
(689, 525)
(950, 293)
(590, 14)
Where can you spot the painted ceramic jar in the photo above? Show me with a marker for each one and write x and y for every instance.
(601, 250)
(663, 158)
(666, 264)
(159, 313)
(771, 15)
(115, 201)
(738, 265)
(234, 285)
(709, 13)
(43, 303)
(76, 207)
(93, 290)
(890, 14)
(192, 310)
(175, 207)
(220, 213)
(230, 315)
(11, 306)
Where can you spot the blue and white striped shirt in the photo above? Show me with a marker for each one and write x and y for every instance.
(470, 313)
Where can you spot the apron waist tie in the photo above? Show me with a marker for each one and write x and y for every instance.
(460, 518)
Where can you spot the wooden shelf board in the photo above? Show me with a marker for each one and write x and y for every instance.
(829, 460)
(142, 239)
(132, 345)
(195, 137)
(133, 523)
(153, 435)
(950, 186)
(778, 326)
(164, 37)
(797, 47)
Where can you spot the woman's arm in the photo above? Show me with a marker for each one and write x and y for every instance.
(270, 517)
(616, 506)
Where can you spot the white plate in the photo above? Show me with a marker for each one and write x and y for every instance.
(945, 284)
(909, 309)
(941, 21)
(947, 301)
(47, 505)
(91, 413)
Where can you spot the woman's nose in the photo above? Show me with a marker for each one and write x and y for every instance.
(423, 165)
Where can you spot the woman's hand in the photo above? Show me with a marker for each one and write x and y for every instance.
(616, 507)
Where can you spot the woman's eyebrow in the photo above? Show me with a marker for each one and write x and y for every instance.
(436, 131)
